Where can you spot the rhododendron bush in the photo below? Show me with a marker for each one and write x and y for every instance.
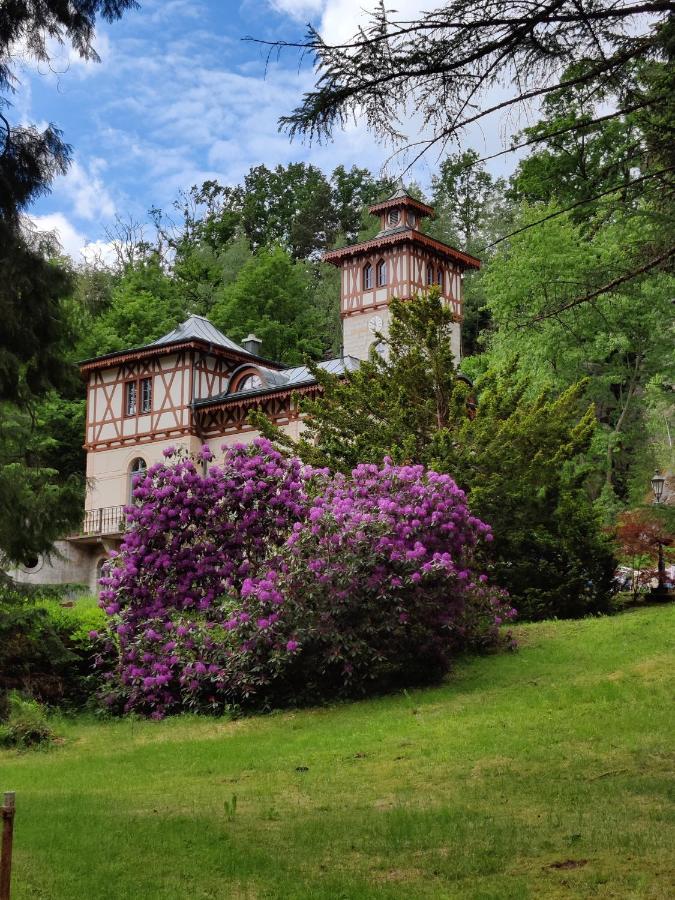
(264, 582)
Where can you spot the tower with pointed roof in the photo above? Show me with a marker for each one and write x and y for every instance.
(400, 261)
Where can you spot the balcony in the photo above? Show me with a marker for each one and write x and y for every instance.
(109, 520)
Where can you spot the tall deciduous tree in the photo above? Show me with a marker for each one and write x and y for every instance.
(291, 206)
(622, 340)
(271, 297)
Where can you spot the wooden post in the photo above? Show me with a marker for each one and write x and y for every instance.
(8, 810)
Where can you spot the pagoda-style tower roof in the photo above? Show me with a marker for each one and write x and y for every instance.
(401, 199)
(400, 217)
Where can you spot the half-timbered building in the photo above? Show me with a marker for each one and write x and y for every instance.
(196, 386)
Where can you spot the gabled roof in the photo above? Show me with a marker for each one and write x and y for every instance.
(197, 328)
(194, 331)
(283, 380)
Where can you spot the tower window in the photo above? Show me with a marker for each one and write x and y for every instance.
(381, 273)
(394, 217)
(367, 277)
(146, 395)
(132, 397)
(138, 396)
(430, 274)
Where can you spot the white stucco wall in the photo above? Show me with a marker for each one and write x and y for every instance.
(108, 471)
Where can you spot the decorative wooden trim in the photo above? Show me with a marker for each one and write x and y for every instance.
(141, 354)
(401, 201)
(411, 236)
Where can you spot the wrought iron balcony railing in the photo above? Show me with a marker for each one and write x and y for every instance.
(107, 520)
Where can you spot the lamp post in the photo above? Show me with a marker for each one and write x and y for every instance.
(660, 592)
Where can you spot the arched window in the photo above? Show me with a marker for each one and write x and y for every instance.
(250, 383)
(137, 471)
(439, 278)
(430, 274)
(367, 277)
(394, 217)
(381, 273)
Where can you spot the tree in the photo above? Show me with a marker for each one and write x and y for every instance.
(467, 200)
(515, 451)
(638, 535)
(291, 206)
(580, 153)
(445, 64)
(30, 285)
(271, 297)
(394, 403)
(471, 208)
(38, 501)
(145, 303)
(353, 191)
(621, 339)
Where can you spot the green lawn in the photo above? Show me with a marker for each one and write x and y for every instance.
(542, 773)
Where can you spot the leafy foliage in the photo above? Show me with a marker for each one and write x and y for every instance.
(25, 725)
(621, 341)
(271, 297)
(45, 649)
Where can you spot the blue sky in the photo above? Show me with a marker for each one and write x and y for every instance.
(178, 98)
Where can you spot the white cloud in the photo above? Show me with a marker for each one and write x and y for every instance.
(72, 242)
(301, 10)
(341, 18)
(70, 239)
(83, 187)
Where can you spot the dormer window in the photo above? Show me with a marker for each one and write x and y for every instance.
(381, 273)
(250, 383)
(367, 277)
(430, 274)
(394, 217)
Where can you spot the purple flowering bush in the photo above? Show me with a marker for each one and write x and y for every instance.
(377, 589)
(264, 582)
(192, 539)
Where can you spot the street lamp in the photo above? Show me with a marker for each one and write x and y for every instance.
(657, 486)
(660, 592)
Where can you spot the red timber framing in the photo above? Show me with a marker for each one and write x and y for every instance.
(180, 374)
(225, 417)
(406, 268)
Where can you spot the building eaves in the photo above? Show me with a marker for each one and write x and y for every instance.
(399, 236)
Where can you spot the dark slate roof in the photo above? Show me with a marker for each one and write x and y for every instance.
(197, 328)
(285, 379)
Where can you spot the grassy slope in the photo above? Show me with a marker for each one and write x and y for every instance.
(559, 752)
